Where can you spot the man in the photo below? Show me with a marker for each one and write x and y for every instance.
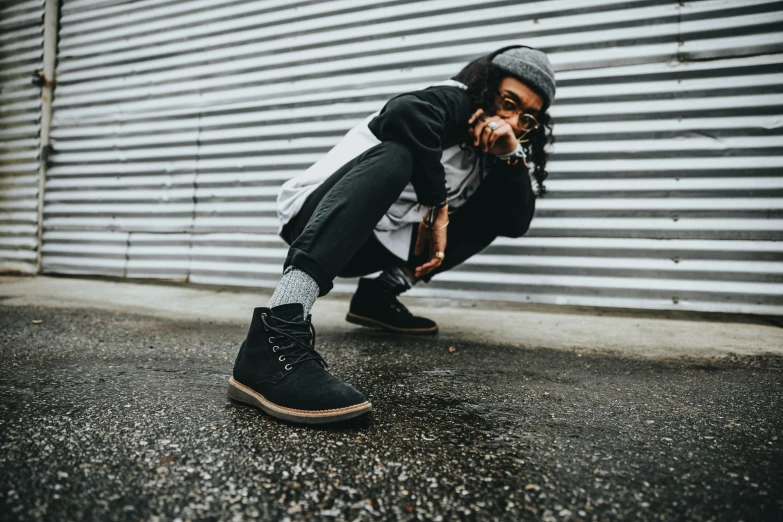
(415, 189)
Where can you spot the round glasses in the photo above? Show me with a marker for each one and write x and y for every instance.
(527, 122)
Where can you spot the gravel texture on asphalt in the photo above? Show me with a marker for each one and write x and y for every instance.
(110, 416)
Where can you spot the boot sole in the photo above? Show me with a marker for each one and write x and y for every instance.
(240, 392)
(366, 321)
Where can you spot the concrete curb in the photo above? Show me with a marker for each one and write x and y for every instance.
(630, 333)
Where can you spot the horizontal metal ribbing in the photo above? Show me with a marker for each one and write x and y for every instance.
(172, 136)
(21, 55)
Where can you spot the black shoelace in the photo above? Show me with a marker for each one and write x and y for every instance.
(298, 344)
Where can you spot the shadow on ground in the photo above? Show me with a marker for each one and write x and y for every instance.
(123, 417)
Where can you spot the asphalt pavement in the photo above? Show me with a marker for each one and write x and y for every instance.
(113, 415)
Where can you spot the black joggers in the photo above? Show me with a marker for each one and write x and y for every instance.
(332, 234)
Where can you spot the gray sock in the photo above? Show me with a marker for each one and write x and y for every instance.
(296, 286)
(396, 276)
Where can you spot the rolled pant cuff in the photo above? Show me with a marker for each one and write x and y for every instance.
(306, 263)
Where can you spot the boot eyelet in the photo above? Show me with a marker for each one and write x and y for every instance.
(275, 348)
(271, 339)
(281, 358)
(263, 315)
(287, 366)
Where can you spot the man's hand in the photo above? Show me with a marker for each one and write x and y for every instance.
(432, 240)
(502, 140)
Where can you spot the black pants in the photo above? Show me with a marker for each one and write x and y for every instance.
(332, 234)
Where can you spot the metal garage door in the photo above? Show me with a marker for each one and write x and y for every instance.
(21, 55)
(176, 122)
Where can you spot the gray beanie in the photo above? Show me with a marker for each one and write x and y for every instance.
(531, 67)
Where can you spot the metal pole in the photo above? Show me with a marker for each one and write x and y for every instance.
(51, 23)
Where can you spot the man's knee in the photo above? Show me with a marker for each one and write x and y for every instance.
(398, 155)
(394, 160)
(518, 224)
(517, 229)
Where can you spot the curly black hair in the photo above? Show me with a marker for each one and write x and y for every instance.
(483, 78)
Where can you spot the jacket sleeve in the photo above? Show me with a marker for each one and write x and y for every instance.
(516, 200)
(423, 121)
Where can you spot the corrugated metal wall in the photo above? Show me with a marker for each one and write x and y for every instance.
(176, 122)
(21, 55)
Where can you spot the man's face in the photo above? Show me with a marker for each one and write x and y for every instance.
(515, 100)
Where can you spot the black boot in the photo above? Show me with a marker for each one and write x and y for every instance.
(279, 371)
(375, 304)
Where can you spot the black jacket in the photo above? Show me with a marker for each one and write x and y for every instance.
(432, 119)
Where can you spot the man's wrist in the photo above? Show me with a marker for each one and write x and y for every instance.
(518, 152)
(436, 213)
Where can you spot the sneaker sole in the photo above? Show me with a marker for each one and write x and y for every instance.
(240, 392)
(366, 321)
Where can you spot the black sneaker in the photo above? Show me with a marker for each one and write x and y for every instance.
(375, 304)
(279, 371)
